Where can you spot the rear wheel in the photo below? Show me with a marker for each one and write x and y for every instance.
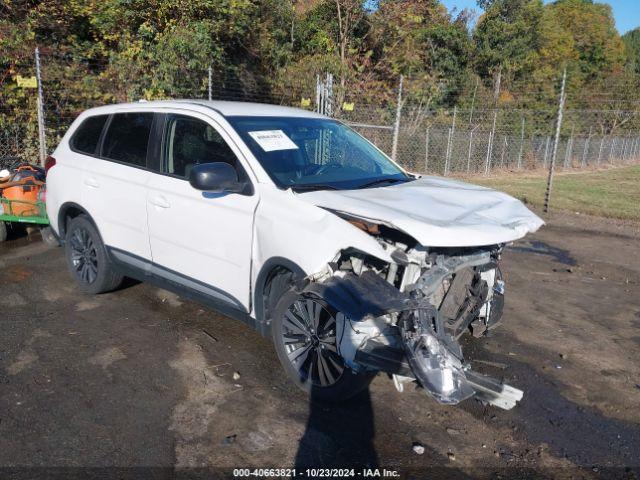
(304, 331)
(87, 258)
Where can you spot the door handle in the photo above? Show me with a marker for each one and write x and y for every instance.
(91, 182)
(160, 202)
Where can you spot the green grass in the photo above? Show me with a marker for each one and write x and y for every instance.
(613, 193)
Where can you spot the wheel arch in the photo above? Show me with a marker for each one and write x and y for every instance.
(270, 270)
(67, 212)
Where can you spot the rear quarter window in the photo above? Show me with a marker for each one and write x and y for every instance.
(87, 135)
(127, 138)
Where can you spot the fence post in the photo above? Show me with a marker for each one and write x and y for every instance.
(613, 143)
(469, 153)
(490, 145)
(620, 149)
(396, 125)
(546, 152)
(521, 145)
(426, 152)
(586, 148)
(567, 156)
(453, 132)
(473, 101)
(600, 151)
(318, 94)
(209, 81)
(42, 136)
(504, 148)
(447, 157)
(328, 107)
(547, 196)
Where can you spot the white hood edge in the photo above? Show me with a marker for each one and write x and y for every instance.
(437, 212)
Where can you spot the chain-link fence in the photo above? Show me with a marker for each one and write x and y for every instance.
(472, 139)
(441, 146)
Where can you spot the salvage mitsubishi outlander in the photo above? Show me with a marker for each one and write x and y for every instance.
(293, 223)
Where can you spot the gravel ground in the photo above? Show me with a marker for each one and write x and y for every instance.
(143, 380)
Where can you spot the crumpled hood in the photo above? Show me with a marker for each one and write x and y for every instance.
(437, 212)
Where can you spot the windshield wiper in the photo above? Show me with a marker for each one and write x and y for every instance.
(310, 187)
(382, 180)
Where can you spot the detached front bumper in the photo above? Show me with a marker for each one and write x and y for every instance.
(386, 330)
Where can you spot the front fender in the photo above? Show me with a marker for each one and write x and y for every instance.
(306, 235)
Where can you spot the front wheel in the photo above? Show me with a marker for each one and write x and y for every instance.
(304, 330)
(87, 258)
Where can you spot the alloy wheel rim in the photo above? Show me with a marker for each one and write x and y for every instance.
(84, 255)
(309, 337)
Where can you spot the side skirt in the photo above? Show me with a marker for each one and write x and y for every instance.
(145, 271)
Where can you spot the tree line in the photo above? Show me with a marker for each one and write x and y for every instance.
(511, 55)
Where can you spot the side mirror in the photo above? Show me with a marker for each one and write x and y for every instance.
(215, 177)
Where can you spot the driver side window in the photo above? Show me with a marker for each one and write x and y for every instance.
(190, 142)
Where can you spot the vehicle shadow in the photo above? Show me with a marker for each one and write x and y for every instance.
(342, 436)
(339, 435)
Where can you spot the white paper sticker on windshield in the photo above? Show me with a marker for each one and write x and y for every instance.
(272, 140)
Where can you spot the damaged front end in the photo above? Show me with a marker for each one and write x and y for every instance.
(405, 318)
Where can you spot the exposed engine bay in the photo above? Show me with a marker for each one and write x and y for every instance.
(405, 318)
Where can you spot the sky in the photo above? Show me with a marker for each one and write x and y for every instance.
(626, 12)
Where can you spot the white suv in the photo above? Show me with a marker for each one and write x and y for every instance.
(296, 225)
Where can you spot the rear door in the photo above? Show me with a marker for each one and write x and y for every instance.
(114, 188)
(201, 240)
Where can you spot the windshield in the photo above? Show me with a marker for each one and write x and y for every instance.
(315, 153)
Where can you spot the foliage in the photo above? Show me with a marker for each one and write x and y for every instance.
(100, 51)
(632, 48)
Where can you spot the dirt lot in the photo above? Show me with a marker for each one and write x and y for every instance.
(142, 378)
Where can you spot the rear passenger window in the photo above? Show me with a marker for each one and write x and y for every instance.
(127, 138)
(87, 136)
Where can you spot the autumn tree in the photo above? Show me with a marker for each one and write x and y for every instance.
(597, 44)
(632, 49)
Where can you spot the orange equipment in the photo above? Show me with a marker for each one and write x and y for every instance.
(22, 186)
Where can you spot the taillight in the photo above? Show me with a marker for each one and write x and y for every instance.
(49, 163)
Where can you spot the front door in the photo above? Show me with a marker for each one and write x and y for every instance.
(200, 240)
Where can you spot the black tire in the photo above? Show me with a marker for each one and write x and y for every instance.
(278, 286)
(3, 232)
(346, 385)
(87, 258)
(49, 237)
